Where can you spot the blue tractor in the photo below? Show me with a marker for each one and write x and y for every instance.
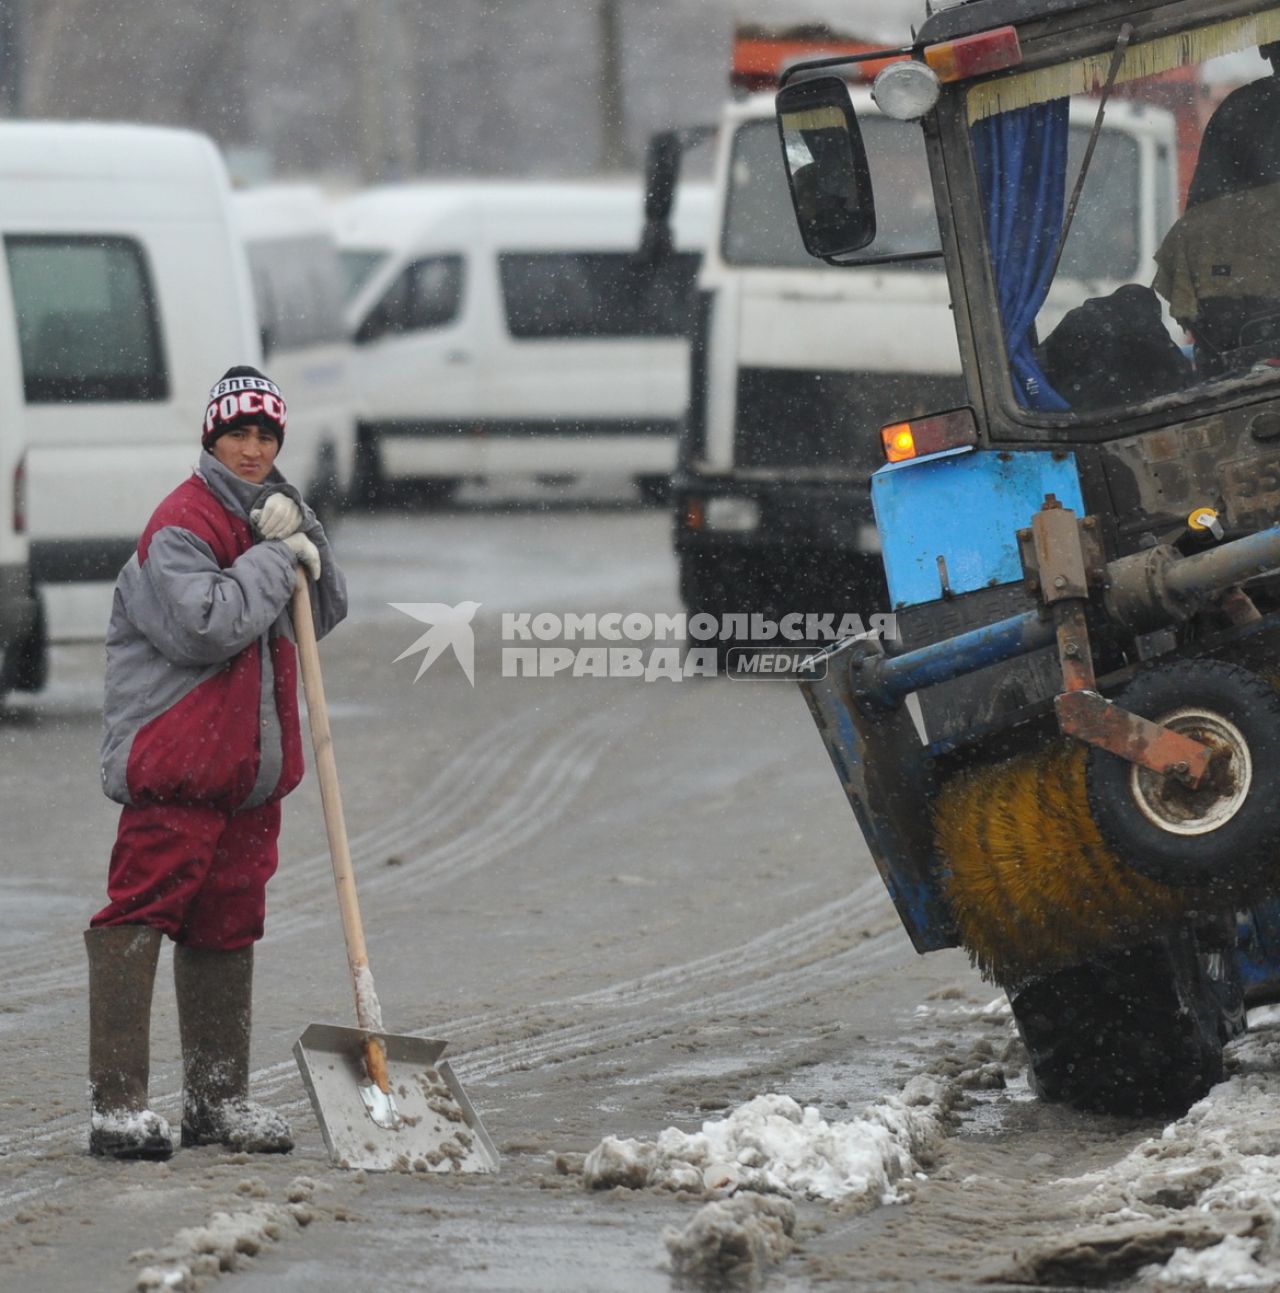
(1067, 760)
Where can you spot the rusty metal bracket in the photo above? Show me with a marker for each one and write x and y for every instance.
(1062, 560)
(1095, 720)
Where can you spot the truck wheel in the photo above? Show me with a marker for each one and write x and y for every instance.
(1227, 830)
(1136, 1032)
(26, 662)
(702, 593)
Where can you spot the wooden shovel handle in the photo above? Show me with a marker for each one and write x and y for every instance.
(304, 630)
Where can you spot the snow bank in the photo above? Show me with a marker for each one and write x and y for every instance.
(1201, 1200)
(1231, 1264)
(200, 1253)
(731, 1243)
(772, 1145)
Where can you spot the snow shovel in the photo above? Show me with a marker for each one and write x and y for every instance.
(384, 1102)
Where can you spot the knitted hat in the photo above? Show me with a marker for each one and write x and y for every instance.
(243, 397)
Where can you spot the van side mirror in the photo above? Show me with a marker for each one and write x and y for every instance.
(827, 168)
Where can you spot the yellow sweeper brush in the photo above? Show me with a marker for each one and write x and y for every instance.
(1032, 884)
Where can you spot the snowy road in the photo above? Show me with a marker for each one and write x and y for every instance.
(628, 906)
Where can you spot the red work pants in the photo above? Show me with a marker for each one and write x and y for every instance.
(196, 873)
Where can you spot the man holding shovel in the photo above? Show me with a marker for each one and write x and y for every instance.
(201, 743)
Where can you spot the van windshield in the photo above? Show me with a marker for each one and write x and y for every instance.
(297, 288)
(358, 266)
(88, 326)
(760, 224)
(1167, 279)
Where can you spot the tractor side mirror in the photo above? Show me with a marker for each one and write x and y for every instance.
(827, 168)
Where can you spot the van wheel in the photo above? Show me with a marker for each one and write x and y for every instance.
(654, 490)
(1136, 1032)
(425, 491)
(1224, 831)
(325, 491)
(26, 662)
(369, 487)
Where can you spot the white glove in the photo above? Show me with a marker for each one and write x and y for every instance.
(305, 553)
(277, 518)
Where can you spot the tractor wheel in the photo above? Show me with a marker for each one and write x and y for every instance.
(1224, 833)
(1138, 1032)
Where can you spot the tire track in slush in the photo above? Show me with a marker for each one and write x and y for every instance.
(548, 784)
(774, 968)
(463, 792)
(440, 797)
(778, 966)
(544, 788)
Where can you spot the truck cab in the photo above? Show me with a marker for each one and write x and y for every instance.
(797, 367)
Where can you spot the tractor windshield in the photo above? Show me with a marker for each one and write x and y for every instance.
(1158, 272)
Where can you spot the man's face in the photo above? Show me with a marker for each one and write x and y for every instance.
(248, 451)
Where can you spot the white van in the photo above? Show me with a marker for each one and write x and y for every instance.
(511, 328)
(124, 294)
(288, 235)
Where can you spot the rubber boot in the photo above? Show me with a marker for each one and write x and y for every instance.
(122, 973)
(215, 1010)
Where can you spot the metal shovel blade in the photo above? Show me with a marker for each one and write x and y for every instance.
(427, 1125)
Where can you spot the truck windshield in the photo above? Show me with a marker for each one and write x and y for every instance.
(760, 225)
(1169, 277)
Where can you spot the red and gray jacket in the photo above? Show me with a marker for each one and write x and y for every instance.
(201, 683)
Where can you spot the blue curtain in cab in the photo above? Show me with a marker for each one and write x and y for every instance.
(1022, 168)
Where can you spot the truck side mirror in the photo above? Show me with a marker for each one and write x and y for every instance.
(662, 164)
(827, 168)
(661, 172)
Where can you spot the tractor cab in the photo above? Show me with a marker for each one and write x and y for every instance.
(1083, 558)
(1079, 329)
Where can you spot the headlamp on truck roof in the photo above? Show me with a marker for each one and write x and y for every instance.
(906, 90)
